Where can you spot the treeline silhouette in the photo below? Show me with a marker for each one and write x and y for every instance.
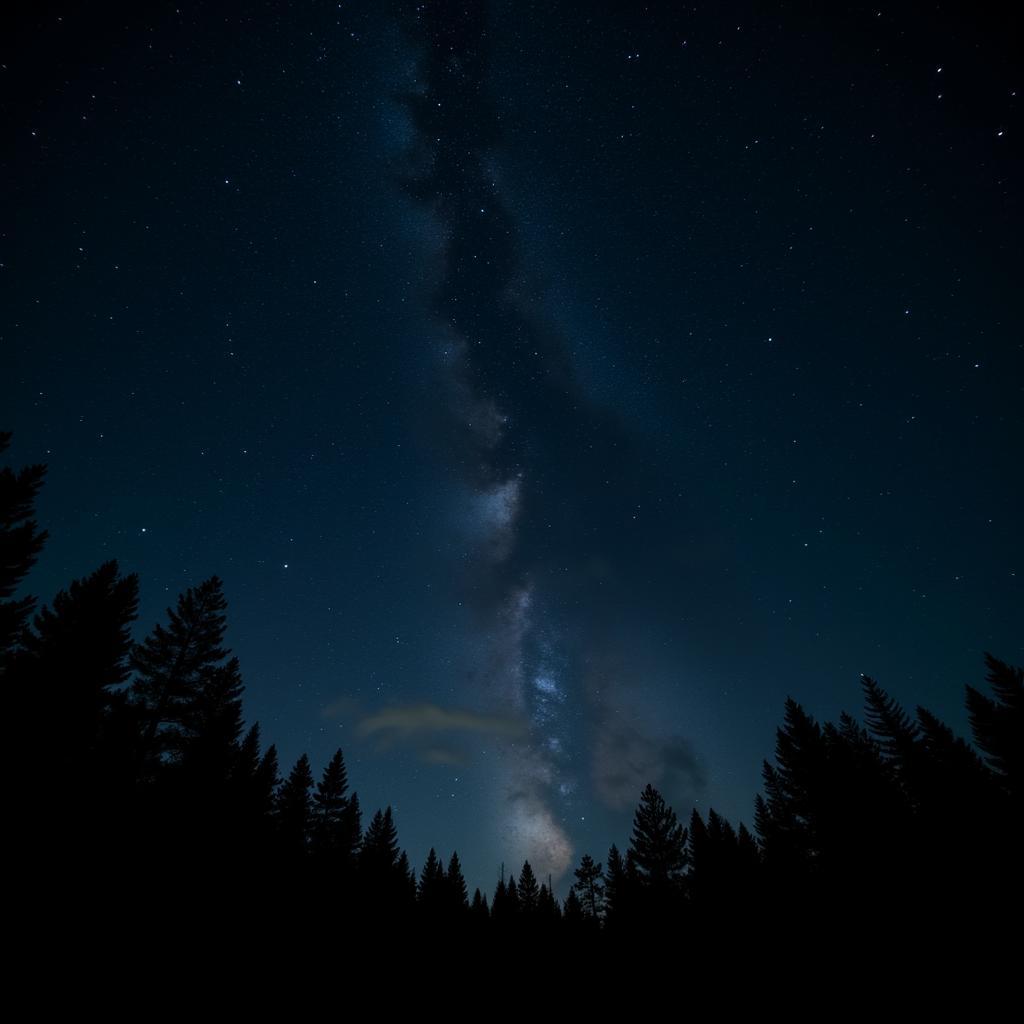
(140, 796)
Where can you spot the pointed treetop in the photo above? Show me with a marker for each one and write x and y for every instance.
(528, 889)
(658, 846)
(431, 880)
(331, 790)
(887, 721)
(997, 723)
(380, 843)
(455, 883)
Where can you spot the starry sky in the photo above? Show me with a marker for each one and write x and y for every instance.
(555, 387)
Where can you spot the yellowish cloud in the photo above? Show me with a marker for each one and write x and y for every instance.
(420, 720)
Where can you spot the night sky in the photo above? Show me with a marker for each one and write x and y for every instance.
(555, 387)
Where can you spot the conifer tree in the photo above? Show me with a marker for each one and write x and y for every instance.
(387, 884)
(266, 781)
(175, 664)
(937, 775)
(249, 809)
(865, 790)
(955, 763)
(253, 781)
(353, 827)
(997, 724)
(617, 891)
(405, 888)
(658, 843)
(478, 910)
(787, 817)
(719, 877)
(888, 721)
(430, 891)
(528, 891)
(511, 901)
(247, 762)
(294, 810)
(387, 880)
(21, 541)
(380, 853)
(330, 798)
(750, 855)
(589, 886)
(898, 737)
(573, 912)
(548, 910)
(456, 894)
(698, 855)
(335, 834)
(499, 902)
(212, 726)
(76, 656)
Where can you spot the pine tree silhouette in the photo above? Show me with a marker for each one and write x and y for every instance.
(253, 782)
(589, 887)
(405, 886)
(510, 909)
(479, 911)
(657, 859)
(573, 914)
(500, 909)
(266, 781)
(723, 868)
(335, 831)
(528, 891)
(330, 801)
(430, 890)
(69, 674)
(786, 817)
(294, 809)
(212, 727)
(387, 881)
(549, 913)
(618, 891)
(456, 894)
(21, 541)
(175, 664)
(380, 851)
(998, 725)
(76, 657)
(897, 734)
(658, 844)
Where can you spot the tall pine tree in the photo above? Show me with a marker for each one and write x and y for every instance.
(430, 890)
(997, 724)
(294, 809)
(658, 843)
(335, 834)
(21, 541)
(589, 886)
(178, 666)
(529, 891)
(76, 657)
(456, 893)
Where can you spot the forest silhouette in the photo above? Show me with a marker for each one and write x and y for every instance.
(143, 792)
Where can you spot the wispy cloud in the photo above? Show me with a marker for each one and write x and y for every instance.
(341, 706)
(417, 721)
(626, 759)
(443, 756)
